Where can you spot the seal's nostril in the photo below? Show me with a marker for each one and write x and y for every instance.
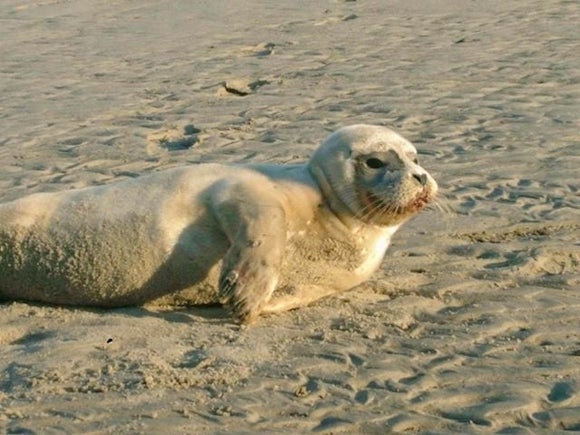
(421, 178)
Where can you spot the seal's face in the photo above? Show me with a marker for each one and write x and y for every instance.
(375, 173)
(391, 186)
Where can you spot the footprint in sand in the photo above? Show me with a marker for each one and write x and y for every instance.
(560, 392)
(174, 138)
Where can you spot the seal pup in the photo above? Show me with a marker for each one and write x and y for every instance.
(256, 238)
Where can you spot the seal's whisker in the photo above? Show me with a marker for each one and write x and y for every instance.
(443, 204)
(440, 203)
(370, 209)
(366, 212)
(379, 208)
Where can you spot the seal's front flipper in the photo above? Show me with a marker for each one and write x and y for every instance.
(254, 222)
(246, 283)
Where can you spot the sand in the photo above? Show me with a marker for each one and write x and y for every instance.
(472, 324)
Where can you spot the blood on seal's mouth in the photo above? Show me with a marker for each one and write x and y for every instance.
(421, 201)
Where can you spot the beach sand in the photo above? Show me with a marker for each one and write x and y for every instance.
(471, 325)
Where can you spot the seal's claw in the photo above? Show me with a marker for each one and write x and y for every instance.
(246, 290)
(242, 310)
(227, 287)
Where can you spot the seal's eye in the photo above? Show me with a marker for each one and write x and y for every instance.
(375, 163)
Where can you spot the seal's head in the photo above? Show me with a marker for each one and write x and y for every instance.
(373, 173)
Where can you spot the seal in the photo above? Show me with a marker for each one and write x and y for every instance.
(256, 238)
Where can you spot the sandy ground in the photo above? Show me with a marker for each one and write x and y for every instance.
(473, 322)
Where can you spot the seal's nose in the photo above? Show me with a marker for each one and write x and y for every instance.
(421, 178)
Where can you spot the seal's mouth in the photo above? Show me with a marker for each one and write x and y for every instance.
(420, 201)
(413, 206)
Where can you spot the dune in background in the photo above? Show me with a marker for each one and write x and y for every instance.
(472, 323)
